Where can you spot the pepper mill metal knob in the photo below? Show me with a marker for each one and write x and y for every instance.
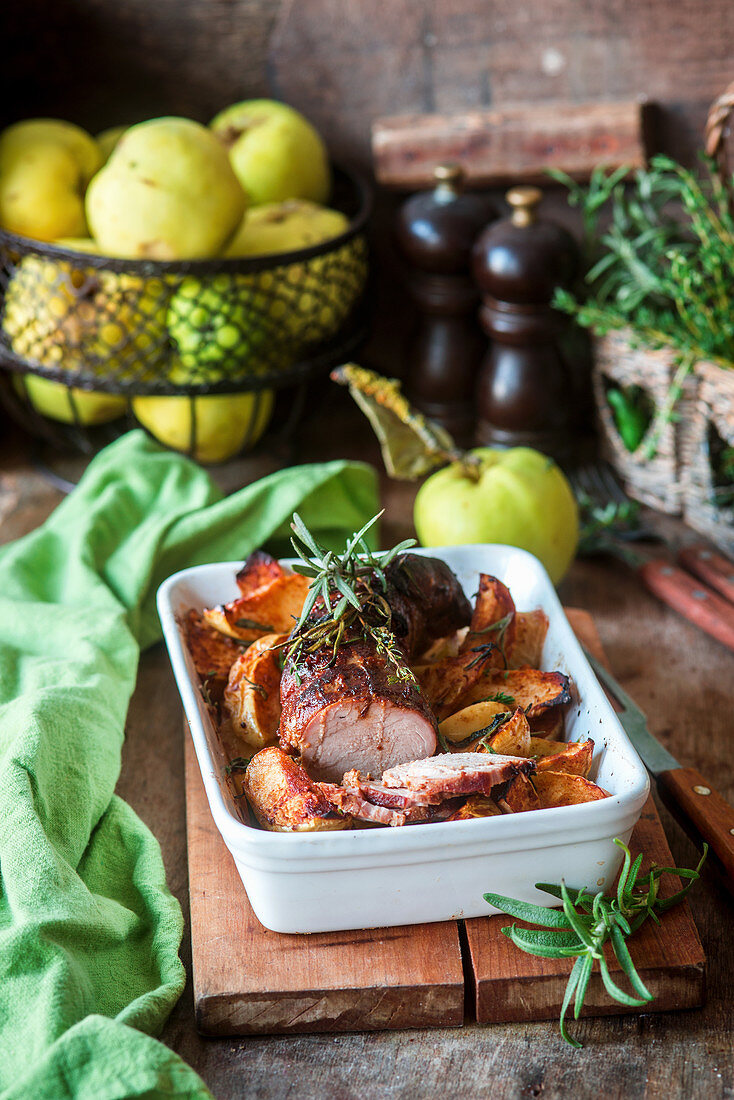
(524, 202)
(435, 232)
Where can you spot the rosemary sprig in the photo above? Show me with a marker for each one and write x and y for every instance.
(346, 597)
(587, 922)
(480, 736)
(502, 697)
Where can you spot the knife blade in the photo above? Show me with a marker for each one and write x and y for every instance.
(701, 810)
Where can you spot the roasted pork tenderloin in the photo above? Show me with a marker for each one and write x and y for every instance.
(350, 707)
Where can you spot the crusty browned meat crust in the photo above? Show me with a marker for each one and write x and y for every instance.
(426, 600)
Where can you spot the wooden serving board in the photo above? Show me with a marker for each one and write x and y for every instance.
(248, 980)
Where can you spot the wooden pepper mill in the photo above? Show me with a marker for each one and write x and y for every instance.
(527, 389)
(435, 231)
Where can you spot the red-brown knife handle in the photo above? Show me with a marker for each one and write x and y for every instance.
(690, 598)
(711, 566)
(706, 814)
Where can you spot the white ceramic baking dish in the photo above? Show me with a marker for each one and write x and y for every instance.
(370, 878)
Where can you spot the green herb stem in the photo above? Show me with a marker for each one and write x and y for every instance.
(587, 923)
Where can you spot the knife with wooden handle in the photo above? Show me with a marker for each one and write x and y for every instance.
(701, 810)
(692, 599)
(711, 567)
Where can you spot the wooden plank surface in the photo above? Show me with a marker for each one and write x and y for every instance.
(508, 144)
(248, 980)
(509, 985)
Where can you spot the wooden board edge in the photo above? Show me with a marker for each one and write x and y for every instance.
(318, 1011)
(518, 999)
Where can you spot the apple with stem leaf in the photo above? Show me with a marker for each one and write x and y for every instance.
(516, 496)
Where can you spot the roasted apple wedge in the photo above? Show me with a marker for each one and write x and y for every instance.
(252, 695)
(561, 789)
(574, 757)
(284, 799)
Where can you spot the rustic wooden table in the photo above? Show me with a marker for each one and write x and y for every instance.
(679, 677)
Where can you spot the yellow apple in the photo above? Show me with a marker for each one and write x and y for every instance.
(308, 300)
(276, 153)
(62, 315)
(168, 192)
(222, 424)
(284, 227)
(45, 166)
(69, 404)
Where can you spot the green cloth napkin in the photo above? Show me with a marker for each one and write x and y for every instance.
(89, 933)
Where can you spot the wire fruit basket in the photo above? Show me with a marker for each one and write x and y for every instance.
(113, 331)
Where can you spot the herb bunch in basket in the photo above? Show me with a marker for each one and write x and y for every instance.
(660, 262)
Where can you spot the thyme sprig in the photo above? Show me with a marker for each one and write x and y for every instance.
(346, 597)
(587, 922)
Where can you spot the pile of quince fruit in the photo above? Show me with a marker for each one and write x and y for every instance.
(253, 183)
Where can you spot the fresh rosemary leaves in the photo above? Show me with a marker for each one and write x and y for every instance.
(587, 922)
(351, 588)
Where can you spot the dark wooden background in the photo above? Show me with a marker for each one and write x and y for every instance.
(107, 62)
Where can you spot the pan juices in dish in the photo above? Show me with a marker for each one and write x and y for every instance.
(400, 705)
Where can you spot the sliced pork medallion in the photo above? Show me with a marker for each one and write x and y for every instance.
(394, 798)
(350, 802)
(410, 811)
(284, 799)
(352, 711)
(451, 774)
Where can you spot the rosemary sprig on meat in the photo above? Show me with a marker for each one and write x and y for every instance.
(346, 597)
(587, 922)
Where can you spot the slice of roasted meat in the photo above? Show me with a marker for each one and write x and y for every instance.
(449, 774)
(378, 805)
(352, 708)
(284, 799)
(351, 802)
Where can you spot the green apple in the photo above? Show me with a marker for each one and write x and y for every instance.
(518, 496)
(108, 140)
(68, 404)
(216, 322)
(168, 192)
(222, 424)
(45, 166)
(276, 153)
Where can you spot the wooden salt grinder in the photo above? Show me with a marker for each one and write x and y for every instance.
(526, 389)
(435, 231)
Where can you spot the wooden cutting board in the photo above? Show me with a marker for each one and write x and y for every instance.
(248, 980)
